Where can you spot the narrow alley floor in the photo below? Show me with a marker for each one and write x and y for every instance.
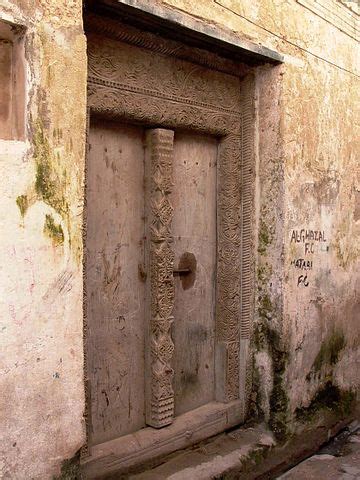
(338, 460)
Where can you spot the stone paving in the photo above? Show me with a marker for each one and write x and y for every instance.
(339, 460)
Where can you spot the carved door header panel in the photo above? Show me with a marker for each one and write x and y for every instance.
(125, 81)
(132, 68)
(135, 79)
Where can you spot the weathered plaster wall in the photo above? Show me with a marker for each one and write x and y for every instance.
(41, 359)
(307, 330)
(323, 313)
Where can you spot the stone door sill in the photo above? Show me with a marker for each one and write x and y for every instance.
(134, 449)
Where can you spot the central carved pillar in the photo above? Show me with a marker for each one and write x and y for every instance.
(160, 283)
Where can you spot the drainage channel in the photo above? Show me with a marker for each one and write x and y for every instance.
(337, 459)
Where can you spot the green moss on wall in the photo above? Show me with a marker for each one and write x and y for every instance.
(254, 458)
(328, 397)
(264, 272)
(267, 338)
(50, 186)
(23, 203)
(70, 469)
(248, 462)
(279, 406)
(265, 307)
(265, 237)
(329, 352)
(53, 230)
(254, 411)
(279, 400)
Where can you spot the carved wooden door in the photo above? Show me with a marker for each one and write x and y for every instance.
(125, 256)
(165, 334)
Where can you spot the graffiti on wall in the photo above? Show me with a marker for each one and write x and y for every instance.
(311, 241)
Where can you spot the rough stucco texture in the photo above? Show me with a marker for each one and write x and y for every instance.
(41, 358)
(307, 330)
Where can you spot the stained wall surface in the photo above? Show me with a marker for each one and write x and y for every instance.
(41, 354)
(306, 329)
(307, 319)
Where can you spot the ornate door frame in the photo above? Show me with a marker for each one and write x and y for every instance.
(164, 110)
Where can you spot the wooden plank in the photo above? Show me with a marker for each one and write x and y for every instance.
(194, 229)
(115, 292)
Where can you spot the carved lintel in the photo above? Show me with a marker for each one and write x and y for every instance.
(160, 288)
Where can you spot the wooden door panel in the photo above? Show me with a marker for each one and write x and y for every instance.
(194, 231)
(115, 292)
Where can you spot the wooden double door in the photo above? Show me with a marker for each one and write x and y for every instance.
(164, 242)
(119, 271)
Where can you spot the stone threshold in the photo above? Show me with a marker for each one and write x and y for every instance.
(213, 459)
(148, 445)
(245, 453)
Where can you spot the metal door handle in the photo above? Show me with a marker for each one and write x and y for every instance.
(181, 271)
